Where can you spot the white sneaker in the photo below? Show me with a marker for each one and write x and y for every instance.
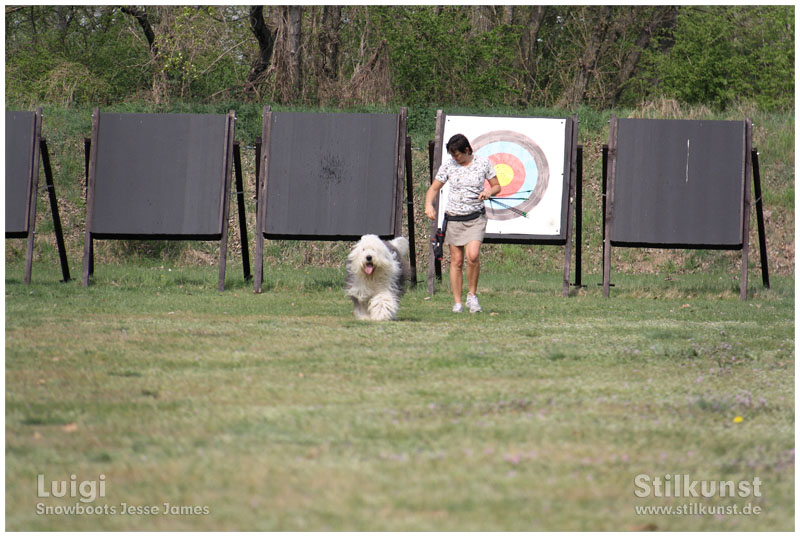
(458, 308)
(472, 304)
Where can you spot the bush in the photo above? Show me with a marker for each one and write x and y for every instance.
(436, 57)
(720, 55)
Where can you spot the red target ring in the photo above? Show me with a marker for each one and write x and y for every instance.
(510, 172)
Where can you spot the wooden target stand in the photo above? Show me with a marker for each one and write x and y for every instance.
(403, 169)
(751, 164)
(231, 163)
(574, 207)
(37, 151)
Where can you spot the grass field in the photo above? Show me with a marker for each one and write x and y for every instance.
(280, 412)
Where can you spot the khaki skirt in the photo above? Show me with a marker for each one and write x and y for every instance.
(462, 233)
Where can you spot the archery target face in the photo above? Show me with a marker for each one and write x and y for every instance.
(528, 159)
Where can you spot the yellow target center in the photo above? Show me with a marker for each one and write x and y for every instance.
(505, 174)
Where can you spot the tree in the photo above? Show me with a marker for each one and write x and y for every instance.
(597, 26)
(717, 55)
(461, 55)
(266, 44)
(529, 47)
(659, 19)
(436, 57)
(70, 55)
(160, 77)
(287, 59)
(191, 49)
(144, 21)
(329, 42)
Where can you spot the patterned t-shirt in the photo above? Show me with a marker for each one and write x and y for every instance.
(466, 184)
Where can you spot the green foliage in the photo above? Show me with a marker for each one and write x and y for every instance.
(720, 55)
(194, 52)
(437, 58)
(71, 55)
(452, 56)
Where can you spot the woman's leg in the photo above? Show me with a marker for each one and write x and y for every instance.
(456, 273)
(473, 266)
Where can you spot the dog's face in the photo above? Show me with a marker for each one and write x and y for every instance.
(369, 255)
(368, 267)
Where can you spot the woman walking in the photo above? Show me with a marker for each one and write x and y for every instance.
(465, 214)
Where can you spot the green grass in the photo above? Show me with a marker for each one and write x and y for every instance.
(279, 411)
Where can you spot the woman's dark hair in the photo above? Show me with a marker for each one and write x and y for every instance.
(459, 143)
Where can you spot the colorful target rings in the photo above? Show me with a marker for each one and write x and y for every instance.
(520, 166)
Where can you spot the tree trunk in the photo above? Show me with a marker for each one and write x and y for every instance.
(286, 59)
(266, 45)
(482, 20)
(329, 41)
(160, 78)
(371, 82)
(574, 94)
(529, 46)
(147, 28)
(294, 36)
(508, 15)
(660, 18)
(65, 15)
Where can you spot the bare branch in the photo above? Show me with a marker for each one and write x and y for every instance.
(144, 22)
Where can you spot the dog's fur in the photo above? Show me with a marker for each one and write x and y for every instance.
(377, 272)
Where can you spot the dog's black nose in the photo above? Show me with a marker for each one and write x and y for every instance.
(369, 259)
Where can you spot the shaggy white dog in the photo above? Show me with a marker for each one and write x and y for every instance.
(377, 271)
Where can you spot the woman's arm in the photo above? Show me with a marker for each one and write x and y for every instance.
(493, 190)
(430, 195)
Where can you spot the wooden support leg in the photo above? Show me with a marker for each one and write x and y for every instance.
(762, 235)
(609, 211)
(578, 217)
(746, 211)
(51, 190)
(410, 212)
(237, 164)
(223, 249)
(573, 146)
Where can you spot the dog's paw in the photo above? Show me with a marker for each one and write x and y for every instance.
(382, 307)
(360, 311)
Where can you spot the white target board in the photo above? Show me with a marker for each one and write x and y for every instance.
(530, 158)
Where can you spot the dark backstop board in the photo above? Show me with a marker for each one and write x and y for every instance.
(20, 143)
(331, 176)
(25, 150)
(682, 184)
(679, 183)
(162, 176)
(159, 175)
